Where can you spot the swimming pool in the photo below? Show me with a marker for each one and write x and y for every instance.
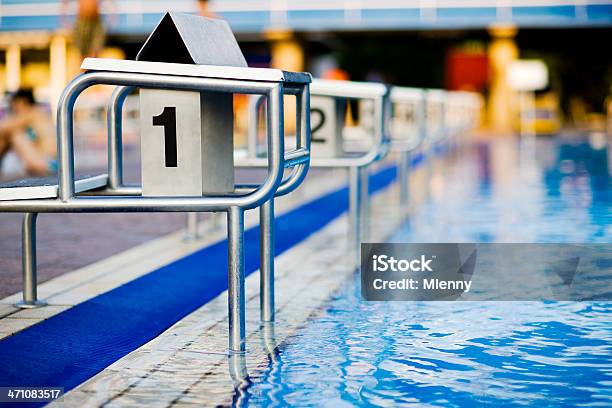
(353, 352)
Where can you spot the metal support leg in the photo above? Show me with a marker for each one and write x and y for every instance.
(365, 205)
(240, 378)
(236, 300)
(28, 259)
(404, 181)
(429, 168)
(355, 211)
(191, 226)
(216, 220)
(268, 340)
(266, 220)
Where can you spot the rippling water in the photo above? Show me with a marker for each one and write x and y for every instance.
(469, 353)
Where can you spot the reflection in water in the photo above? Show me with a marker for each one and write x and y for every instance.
(268, 339)
(240, 378)
(494, 194)
(238, 368)
(469, 353)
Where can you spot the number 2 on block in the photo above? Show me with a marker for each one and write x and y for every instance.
(167, 119)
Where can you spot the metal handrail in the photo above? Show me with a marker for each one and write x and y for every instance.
(437, 97)
(404, 148)
(357, 167)
(379, 93)
(297, 159)
(68, 202)
(120, 198)
(414, 96)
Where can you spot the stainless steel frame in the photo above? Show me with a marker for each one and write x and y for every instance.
(28, 263)
(293, 159)
(357, 167)
(191, 227)
(436, 128)
(404, 145)
(119, 198)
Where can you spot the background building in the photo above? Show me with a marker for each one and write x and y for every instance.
(456, 44)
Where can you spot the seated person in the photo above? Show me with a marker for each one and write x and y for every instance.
(28, 130)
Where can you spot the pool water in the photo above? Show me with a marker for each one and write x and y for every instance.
(354, 352)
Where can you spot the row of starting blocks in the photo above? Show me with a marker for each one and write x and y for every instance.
(187, 72)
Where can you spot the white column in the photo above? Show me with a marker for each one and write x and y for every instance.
(58, 65)
(13, 67)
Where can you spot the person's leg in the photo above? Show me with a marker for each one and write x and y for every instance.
(98, 38)
(79, 36)
(34, 161)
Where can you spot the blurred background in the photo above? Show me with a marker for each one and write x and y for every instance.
(553, 56)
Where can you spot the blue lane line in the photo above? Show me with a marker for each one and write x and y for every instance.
(71, 347)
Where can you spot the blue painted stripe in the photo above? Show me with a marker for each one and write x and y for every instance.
(73, 346)
(440, 149)
(417, 159)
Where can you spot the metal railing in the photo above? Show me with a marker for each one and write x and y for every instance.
(117, 197)
(357, 166)
(435, 116)
(295, 159)
(408, 134)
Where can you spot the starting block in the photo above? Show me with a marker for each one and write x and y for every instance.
(187, 72)
(330, 99)
(196, 127)
(408, 131)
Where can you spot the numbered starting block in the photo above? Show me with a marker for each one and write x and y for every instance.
(196, 127)
(461, 112)
(408, 131)
(329, 100)
(435, 111)
(327, 116)
(187, 73)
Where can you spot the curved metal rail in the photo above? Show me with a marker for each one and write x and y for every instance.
(117, 197)
(357, 167)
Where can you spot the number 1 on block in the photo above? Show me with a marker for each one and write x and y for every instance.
(171, 143)
(167, 119)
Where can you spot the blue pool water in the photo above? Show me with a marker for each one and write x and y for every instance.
(465, 354)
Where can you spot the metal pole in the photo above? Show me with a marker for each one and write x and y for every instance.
(114, 125)
(355, 211)
(365, 208)
(236, 300)
(268, 340)
(430, 157)
(266, 299)
(191, 226)
(240, 378)
(65, 147)
(255, 104)
(273, 92)
(404, 180)
(28, 259)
